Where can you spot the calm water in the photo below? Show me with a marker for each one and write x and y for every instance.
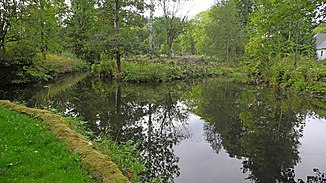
(208, 131)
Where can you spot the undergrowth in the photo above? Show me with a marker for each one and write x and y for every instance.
(163, 70)
(307, 75)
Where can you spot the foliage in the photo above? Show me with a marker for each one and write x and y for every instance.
(320, 28)
(165, 70)
(308, 75)
(80, 26)
(41, 22)
(31, 154)
(218, 32)
(52, 67)
(273, 36)
(105, 68)
(126, 156)
(172, 22)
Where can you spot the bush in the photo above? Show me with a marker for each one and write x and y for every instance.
(13, 61)
(306, 75)
(106, 68)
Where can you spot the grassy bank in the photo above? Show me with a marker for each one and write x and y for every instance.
(100, 166)
(34, 68)
(164, 70)
(306, 75)
(29, 153)
(52, 67)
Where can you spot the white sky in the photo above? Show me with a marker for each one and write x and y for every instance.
(191, 8)
(197, 6)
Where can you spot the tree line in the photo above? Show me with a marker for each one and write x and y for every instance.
(230, 31)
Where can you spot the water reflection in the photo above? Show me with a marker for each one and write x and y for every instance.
(260, 127)
(151, 115)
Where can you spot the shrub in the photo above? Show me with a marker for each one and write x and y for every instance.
(106, 68)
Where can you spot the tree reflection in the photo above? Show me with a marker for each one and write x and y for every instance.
(257, 124)
(148, 114)
(272, 131)
(264, 127)
(165, 127)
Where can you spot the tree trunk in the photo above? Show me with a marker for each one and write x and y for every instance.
(117, 39)
(42, 34)
(296, 44)
(228, 50)
(169, 44)
(2, 44)
(151, 30)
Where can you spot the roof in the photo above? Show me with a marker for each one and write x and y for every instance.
(321, 41)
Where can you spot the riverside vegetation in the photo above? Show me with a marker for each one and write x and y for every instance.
(126, 156)
(41, 41)
(250, 40)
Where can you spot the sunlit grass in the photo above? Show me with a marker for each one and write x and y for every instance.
(62, 63)
(29, 153)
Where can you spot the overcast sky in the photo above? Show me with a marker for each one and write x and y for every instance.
(196, 6)
(192, 7)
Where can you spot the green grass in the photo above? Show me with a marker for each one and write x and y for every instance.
(163, 70)
(62, 63)
(29, 153)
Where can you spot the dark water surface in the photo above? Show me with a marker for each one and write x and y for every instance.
(207, 131)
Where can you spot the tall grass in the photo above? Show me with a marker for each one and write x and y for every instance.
(61, 63)
(53, 66)
(159, 71)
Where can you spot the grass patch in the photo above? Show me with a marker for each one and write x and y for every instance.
(29, 153)
(125, 155)
(59, 64)
(164, 70)
(100, 166)
(52, 67)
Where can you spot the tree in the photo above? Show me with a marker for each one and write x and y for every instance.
(218, 32)
(225, 29)
(80, 27)
(125, 14)
(10, 14)
(43, 24)
(200, 38)
(151, 28)
(184, 43)
(173, 22)
(281, 28)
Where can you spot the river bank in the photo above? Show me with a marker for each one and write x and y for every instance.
(99, 166)
(19, 70)
(305, 75)
(29, 153)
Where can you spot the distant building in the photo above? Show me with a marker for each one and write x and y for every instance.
(321, 46)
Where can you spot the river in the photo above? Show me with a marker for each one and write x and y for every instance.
(202, 131)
